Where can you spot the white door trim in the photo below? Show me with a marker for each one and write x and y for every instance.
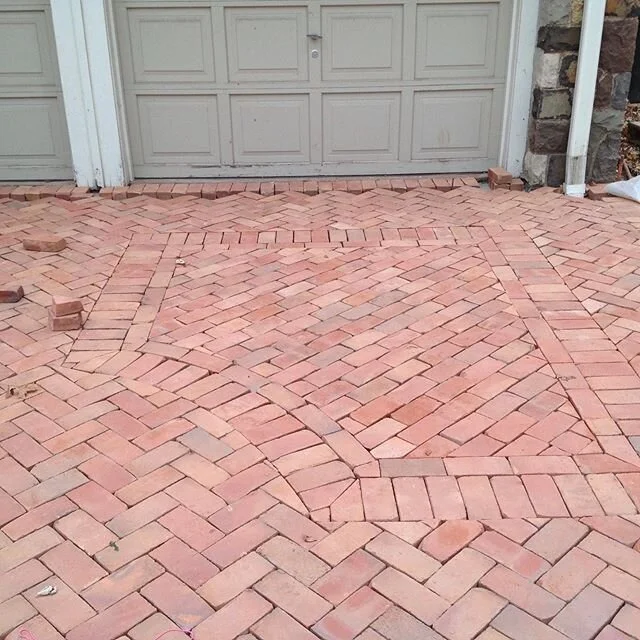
(86, 76)
(519, 87)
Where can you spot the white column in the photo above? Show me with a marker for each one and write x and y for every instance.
(524, 33)
(87, 78)
(583, 97)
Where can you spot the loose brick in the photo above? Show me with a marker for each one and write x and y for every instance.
(11, 292)
(64, 323)
(65, 306)
(49, 243)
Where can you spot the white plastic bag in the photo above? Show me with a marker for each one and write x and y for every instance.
(629, 189)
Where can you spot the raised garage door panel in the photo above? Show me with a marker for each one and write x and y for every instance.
(362, 43)
(267, 44)
(33, 135)
(312, 87)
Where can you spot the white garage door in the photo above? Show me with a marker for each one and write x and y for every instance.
(34, 144)
(312, 87)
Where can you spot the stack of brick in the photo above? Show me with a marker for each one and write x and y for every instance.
(65, 314)
(500, 178)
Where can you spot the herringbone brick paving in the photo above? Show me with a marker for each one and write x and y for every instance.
(374, 416)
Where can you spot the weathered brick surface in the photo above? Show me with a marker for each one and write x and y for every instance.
(385, 411)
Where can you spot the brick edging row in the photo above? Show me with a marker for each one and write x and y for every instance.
(214, 190)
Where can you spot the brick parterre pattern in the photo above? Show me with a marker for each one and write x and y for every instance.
(379, 415)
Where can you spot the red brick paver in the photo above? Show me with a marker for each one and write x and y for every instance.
(366, 414)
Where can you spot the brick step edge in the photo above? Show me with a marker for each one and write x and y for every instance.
(213, 190)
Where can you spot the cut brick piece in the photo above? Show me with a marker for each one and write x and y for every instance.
(63, 306)
(50, 243)
(10, 292)
(65, 323)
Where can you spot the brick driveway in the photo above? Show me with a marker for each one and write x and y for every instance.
(380, 416)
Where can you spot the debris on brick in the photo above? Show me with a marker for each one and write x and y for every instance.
(50, 243)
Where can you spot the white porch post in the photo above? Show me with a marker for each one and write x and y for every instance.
(583, 97)
(90, 103)
(524, 33)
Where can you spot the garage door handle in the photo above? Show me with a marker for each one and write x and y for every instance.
(314, 36)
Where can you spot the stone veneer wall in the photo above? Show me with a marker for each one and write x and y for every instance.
(554, 80)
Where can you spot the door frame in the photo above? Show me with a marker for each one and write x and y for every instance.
(94, 99)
